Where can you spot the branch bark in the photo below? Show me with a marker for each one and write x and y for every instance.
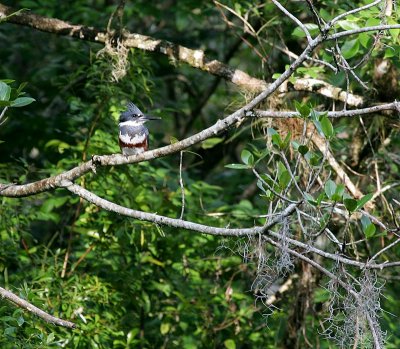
(35, 310)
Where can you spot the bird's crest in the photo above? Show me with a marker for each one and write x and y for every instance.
(133, 109)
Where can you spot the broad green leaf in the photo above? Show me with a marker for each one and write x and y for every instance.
(337, 196)
(56, 143)
(50, 338)
(230, 344)
(238, 166)
(394, 32)
(364, 39)
(327, 127)
(330, 188)
(20, 321)
(320, 197)
(350, 204)
(370, 230)
(276, 140)
(5, 91)
(389, 53)
(284, 179)
(303, 149)
(303, 109)
(173, 140)
(22, 102)
(211, 142)
(372, 22)
(310, 199)
(165, 327)
(261, 155)
(364, 200)
(348, 25)
(365, 221)
(247, 157)
(350, 48)
(311, 27)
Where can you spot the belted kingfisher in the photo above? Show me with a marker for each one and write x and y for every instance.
(133, 135)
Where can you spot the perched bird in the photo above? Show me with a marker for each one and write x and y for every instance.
(133, 135)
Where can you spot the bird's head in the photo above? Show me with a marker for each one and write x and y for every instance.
(134, 117)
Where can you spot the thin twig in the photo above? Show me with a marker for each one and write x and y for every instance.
(181, 185)
(294, 19)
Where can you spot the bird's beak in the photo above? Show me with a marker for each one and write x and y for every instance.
(149, 118)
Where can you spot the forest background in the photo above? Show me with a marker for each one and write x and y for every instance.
(266, 214)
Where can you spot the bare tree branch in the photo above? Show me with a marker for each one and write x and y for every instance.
(359, 9)
(176, 223)
(363, 30)
(395, 106)
(35, 310)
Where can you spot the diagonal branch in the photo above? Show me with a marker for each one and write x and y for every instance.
(35, 310)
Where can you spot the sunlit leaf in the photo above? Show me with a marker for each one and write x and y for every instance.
(22, 102)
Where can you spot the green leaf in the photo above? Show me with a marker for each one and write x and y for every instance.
(211, 142)
(50, 338)
(337, 196)
(238, 166)
(286, 141)
(230, 344)
(276, 140)
(330, 188)
(165, 327)
(284, 179)
(350, 48)
(247, 157)
(21, 87)
(20, 321)
(364, 200)
(372, 22)
(364, 39)
(261, 155)
(22, 102)
(327, 127)
(369, 231)
(310, 199)
(5, 91)
(303, 109)
(173, 140)
(394, 32)
(312, 28)
(350, 204)
(320, 198)
(348, 25)
(5, 103)
(303, 149)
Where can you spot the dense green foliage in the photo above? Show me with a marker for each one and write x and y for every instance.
(128, 283)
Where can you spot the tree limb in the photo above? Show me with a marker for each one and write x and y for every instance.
(35, 310)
